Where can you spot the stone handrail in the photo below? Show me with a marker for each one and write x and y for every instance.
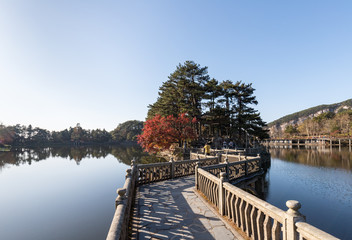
(123, 205)
(230, 155)
(256, 218)
(141, 174)
(236, 170)
(153, 172)
(307, 231)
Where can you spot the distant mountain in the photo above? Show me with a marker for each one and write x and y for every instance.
(299, 117)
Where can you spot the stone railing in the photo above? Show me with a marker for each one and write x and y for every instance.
(154, 172)
(236, 170)
(123, 206)
(230, 155)
(256, 218)
(142, 174)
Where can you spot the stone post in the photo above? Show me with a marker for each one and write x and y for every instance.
(133, 162)
(261, 161)
(196, 174)
(292, 216)
(245, 168)
(222, 193)
(172, 171)
(121, 196)
(227, 167)
(128, 173)
(219, 155)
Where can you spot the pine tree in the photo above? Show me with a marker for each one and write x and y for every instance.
(245, 119)
(182, 92)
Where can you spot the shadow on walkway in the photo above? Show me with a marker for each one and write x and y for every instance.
(171, 210)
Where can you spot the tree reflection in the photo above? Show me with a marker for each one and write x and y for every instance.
(326, 157)
(123, 153)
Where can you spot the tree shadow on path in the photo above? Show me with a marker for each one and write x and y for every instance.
(171, 210)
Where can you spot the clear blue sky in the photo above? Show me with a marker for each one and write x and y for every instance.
(100, 63)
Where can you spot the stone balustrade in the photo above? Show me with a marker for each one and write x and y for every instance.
(256, 218)
(123, 206)
(153, 172)
(143, 174)
(229, 154)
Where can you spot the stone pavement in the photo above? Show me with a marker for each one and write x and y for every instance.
(171, 210)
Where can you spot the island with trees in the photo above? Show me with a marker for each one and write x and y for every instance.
(193, 108)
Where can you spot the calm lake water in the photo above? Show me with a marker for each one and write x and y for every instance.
(321, 180)
(61, 193)
(69, 193)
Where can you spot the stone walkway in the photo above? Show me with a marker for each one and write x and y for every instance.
(171, 210)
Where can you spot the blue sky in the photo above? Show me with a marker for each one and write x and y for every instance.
(100, 63)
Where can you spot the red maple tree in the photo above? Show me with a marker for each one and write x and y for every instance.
(159, 133)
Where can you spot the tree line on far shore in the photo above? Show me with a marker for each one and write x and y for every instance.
(20, 135)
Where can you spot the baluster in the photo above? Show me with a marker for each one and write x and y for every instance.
(227, 204)
(208, 190)
(217, 193)
(254, 223)
(242, 217)
(267, 228)
(276, 230)
(237, 202)
(247, 211)
(232, 206)
(260, 223)
(213, 187)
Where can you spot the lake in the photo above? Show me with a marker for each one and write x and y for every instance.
(321, 180)
(61, 193)
(69, 193)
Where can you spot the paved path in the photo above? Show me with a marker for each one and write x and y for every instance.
(171, 210)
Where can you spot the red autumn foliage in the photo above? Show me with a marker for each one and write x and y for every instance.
(159, 133)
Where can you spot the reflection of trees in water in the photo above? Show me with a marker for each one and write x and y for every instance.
(316, 157)
(21, 156)
(126, 154)
(123, 154)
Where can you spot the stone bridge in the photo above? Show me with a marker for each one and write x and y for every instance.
(194, 199)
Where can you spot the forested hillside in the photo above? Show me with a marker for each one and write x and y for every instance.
(333, 120)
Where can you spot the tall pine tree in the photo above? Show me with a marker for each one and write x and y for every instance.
(182, 92)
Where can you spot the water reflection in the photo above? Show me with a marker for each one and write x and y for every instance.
(62, 192)
(321, 179)
(317, 157)
(123, 154)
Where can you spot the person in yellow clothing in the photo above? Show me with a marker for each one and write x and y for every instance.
(207, 149)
